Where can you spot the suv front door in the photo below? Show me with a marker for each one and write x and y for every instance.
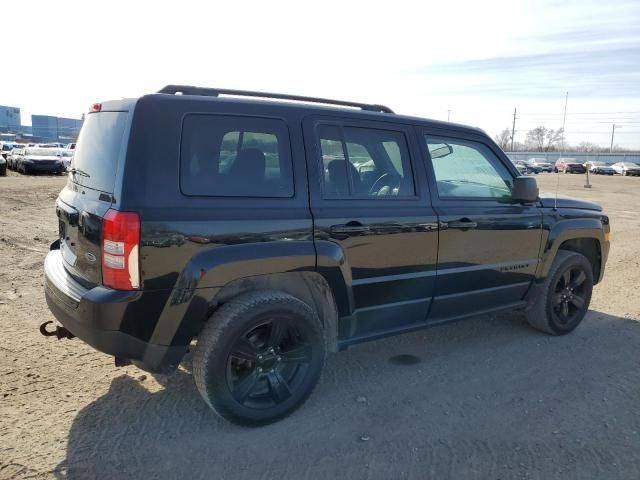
(368, 201)
(489, 245)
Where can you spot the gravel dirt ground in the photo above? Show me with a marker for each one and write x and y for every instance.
(484, 398)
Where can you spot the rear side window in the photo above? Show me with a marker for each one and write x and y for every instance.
(235, 157)
(98, 149)
(365, 162)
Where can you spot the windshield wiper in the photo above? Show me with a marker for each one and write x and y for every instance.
(75, 171)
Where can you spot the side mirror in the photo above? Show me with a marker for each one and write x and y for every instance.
(525, 189)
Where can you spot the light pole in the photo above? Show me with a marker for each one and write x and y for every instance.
(613, 132)
(448, 115)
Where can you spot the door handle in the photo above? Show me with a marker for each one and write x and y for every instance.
(463, 224)
(350, 228)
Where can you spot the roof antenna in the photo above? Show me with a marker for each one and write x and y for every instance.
(564, 121)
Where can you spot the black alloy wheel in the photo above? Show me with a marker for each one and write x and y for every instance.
(569, 296)
(259, 357)
(563, 299)
(267, 363)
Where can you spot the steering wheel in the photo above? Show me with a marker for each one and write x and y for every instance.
(385, 180)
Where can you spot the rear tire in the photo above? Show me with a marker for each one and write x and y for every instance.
(565, 296)
(3, 170)
(259, 357)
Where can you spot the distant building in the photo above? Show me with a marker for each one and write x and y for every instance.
(47, 128)
(10, 119)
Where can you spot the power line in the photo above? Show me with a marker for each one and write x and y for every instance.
(634, 132)
(582, 113)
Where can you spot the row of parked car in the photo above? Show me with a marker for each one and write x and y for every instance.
(35, 158)
(571, 165)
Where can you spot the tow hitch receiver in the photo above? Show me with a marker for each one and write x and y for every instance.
(59, 332)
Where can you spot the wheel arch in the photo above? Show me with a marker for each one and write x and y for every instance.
(584, 236)
(309, 286)
(213, 277)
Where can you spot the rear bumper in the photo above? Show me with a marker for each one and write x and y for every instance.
(86, 312)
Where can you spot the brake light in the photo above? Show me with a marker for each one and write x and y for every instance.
(96, 107)
(120, 245)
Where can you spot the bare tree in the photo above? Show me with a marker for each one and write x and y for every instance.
(543, 139)
(503, 138)
(587, 147)
(553, 137)
(535, 138)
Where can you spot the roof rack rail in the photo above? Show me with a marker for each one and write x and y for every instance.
(215, 92)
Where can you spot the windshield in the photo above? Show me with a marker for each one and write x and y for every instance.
(98, 149)
(42, 152)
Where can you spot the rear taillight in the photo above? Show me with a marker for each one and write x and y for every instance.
(120, 245)
(96, 107)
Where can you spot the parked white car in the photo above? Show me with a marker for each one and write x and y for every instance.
(626, 168)
(66, 155)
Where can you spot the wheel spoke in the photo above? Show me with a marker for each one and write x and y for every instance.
(278, 329)
(577, 300)
(244, 388)
(245, 350)
(557, 298)
(566, 277)
(299, 354)
(579, 280)
(278, 386)
(565, 309)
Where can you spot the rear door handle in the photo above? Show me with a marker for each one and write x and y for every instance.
(463, 224)
(351, 228)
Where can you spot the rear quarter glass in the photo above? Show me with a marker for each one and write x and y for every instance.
(98, 150)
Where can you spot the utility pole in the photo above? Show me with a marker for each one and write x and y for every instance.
(448, 115)
(513, 129)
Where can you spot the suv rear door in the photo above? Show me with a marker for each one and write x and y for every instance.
(489, 245)
(89, 192)
(366, 196)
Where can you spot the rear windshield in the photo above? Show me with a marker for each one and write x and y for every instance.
(98, 149)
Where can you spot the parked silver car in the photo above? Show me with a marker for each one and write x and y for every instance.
(541, 163)
(626, 168)
(14, 157)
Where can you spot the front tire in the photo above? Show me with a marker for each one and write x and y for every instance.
(565, 296)
(259, 357)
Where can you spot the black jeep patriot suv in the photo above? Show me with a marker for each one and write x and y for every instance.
(271, 232)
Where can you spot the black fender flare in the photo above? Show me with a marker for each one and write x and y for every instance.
(569, 229)
(207, 273)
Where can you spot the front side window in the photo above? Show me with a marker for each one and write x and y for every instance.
(466, 168)
(364, 162)
(235, 157)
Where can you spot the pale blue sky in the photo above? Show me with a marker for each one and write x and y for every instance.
(478, 59)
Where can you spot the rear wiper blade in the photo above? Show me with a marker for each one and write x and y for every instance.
(75, 171)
